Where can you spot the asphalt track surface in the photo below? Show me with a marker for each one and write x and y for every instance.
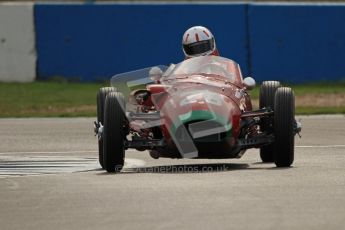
(50, 179)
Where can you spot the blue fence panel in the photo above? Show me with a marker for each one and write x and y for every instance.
(92, 42)
(297, 43)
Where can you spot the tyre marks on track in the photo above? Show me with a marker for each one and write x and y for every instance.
(36, 165)
(41, 163)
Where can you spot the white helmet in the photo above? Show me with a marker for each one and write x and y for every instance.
(198, 41)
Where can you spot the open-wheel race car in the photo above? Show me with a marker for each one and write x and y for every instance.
(199, 108)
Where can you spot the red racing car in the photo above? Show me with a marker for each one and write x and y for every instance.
(199, 108)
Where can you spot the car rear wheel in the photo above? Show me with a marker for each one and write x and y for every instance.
(114, 132)
(284, 115)
(102, 93)
(266, 100)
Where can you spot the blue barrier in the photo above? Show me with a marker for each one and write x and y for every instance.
(293, 43)
(297, 43)
(93, 42)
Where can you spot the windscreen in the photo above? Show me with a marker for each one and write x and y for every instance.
(207, 65)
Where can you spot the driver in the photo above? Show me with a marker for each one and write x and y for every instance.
(198, 41)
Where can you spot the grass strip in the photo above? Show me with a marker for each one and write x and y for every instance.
(55, 99)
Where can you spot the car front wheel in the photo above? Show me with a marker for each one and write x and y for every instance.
(284, 116)
(102, 93)
(114, 132)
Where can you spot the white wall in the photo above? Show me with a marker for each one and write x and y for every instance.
(17, 43)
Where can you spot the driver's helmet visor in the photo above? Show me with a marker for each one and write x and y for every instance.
(199, 48)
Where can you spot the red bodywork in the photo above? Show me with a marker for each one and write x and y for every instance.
(190, 95)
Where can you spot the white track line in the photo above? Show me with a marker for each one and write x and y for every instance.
(320, 146)
(132, 150)
(57, 152)
(48, 152)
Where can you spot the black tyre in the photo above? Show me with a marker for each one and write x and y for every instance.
(114, 132)
(266, 100)
(284, 117)
(102, 93)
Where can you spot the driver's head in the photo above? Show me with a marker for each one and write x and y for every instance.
(198, 41)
